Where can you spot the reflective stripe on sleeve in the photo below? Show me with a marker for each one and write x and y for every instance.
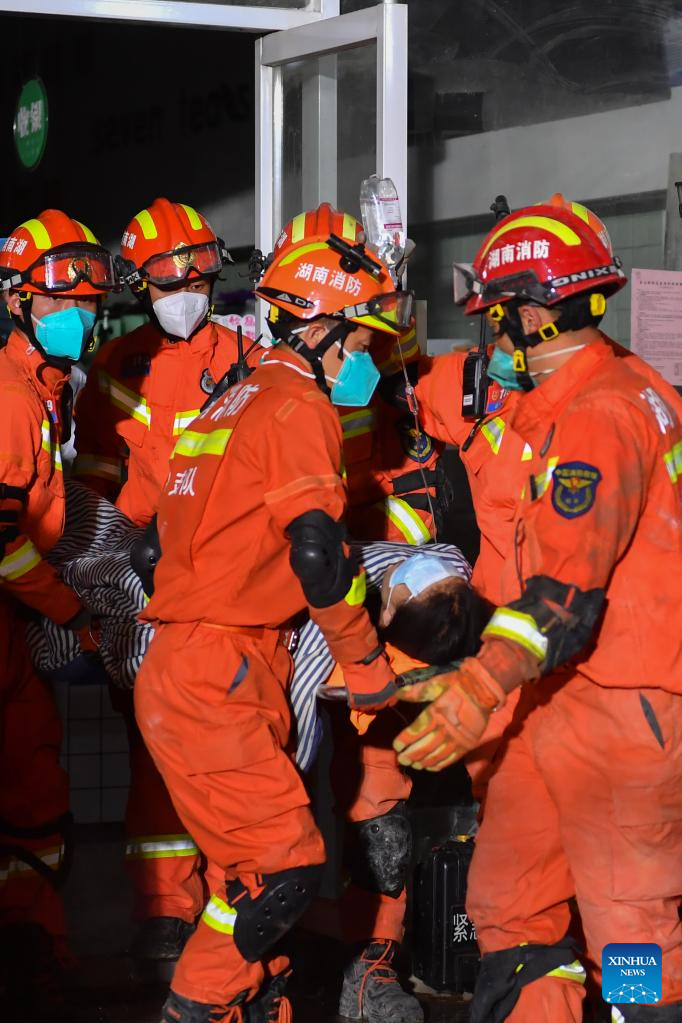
(406, 520)
(52, 447)
(192, 443)
(527, 453)
(97, 465)
(133, 404)
(543, 479)
(219, 915)
(570, 971)
(673, 462)
(161, 847)
(356, 423)
(183, 419)
(519, 627)
(20, 562)
(493, 431)
(358, 590)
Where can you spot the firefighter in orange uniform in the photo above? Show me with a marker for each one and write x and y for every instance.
(142, 391)
(394, 487)
(585, 800)
(53, 273)
(369, 787)
(252, 534)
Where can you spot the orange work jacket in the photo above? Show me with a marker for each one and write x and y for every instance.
(32, 502)
(495, 460)
(141, 393)
(267, 452)
(388, 461)
(601, 508)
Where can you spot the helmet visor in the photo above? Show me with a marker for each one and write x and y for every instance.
(394, 309)
(171, 267)
(524, 285)
(64, 268)
(463, 282)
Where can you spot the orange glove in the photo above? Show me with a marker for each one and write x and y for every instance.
(460, 704)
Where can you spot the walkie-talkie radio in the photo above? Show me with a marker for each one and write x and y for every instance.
(474, 376)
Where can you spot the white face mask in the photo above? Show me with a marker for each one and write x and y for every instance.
(181, 312)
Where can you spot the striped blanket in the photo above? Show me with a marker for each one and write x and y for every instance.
(93, 557)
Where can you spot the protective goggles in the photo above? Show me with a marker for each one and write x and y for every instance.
(523, 285)
(394, 309)
(174, 266)
(65, 267)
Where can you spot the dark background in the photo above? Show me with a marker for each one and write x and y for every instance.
(135, 111)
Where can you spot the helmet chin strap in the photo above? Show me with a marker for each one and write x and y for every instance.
(339, 332)
(25, 325)
(576, 312)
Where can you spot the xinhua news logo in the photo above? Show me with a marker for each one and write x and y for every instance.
(632, 972)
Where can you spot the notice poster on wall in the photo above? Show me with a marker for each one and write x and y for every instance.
(656, 321)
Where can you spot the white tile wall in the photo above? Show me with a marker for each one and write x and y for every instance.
(94, 753)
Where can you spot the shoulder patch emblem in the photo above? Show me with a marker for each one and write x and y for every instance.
(417, 445)
(207, 383)
(574, 488)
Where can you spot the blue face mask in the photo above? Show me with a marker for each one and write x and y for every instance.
(501, 369)
(357, 380)
(64, 334)
(419, 572)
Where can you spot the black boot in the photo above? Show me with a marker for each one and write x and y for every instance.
(371, 990)
(184, 1010)
(270, 1004)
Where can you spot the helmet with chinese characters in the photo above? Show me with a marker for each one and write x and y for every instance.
(53, 252)
(308, 277)
(542, 254)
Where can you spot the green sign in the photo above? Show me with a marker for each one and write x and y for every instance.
(30, 123)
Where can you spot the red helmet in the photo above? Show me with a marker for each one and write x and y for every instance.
(53, 253)
(167, 242)
(590, 218)
(541, 254)
(319, 268)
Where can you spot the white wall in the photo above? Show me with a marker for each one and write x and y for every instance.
(619, 152)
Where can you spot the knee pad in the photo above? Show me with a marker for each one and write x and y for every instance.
(503, 974)
(263, 920)
(380, 855)
(628, 1013)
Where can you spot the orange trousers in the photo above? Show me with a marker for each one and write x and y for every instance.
(368, 782)
(585, 802)
(34, 789)
(162, 861)
(213, 711)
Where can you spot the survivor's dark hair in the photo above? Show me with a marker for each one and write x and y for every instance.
(442, 627)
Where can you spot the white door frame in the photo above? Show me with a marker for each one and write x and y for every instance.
(386, 25)
(241, 17)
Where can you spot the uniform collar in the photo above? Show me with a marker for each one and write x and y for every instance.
(543, 404)
(202, 341)
(287, 357)
(48, 380)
